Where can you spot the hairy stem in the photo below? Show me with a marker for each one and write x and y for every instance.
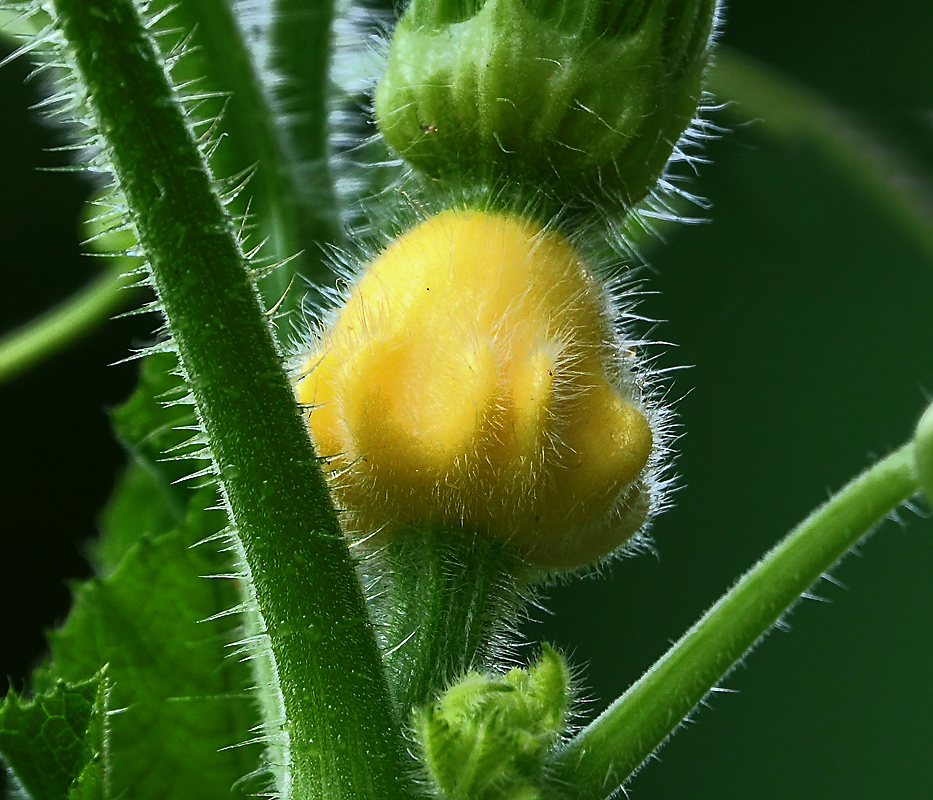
(221, 62)
(450, 594)
(600, 758)
(342, 739)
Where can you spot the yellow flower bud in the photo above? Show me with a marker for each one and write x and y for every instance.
(474, 378)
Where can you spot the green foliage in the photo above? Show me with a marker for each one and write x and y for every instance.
(183, 690)
(283, 525)
(183, 693)
(54, 742)
(185, 699)
(154, 431)
(176, 694)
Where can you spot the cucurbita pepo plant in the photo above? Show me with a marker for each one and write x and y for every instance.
(471, 414)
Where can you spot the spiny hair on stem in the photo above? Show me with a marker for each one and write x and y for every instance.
(68, 104)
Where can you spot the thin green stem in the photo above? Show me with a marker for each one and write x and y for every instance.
(923, 453)
(341, 737)
(600, 758)
(61, 326)
(221, 62)
(792, 112)
(300, 54)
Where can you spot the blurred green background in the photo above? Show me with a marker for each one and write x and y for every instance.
(804, 315)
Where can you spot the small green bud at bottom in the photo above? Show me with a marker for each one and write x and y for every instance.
(487, 737)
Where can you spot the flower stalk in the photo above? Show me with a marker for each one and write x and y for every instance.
(605, 754)
(451, 595)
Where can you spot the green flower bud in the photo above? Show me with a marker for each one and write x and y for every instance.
(575, 96)
(488, 736)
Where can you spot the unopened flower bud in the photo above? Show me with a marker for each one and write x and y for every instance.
(501, 726)
(474, 379)
(578, 96)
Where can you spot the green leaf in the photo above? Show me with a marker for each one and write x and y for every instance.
(148, 423)
(53, 742)
(148, 527)
(183, 696)
(138, 509)
(151, 497)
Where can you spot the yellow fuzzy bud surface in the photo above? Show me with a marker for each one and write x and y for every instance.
(473, 379)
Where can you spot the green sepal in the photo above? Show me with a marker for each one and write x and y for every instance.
(583, 100)
(487, 737)
(53, 743)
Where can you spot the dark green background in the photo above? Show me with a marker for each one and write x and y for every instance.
(806, 319)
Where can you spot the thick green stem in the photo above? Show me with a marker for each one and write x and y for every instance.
(607, 752)
(342, 739)
(450, 593)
